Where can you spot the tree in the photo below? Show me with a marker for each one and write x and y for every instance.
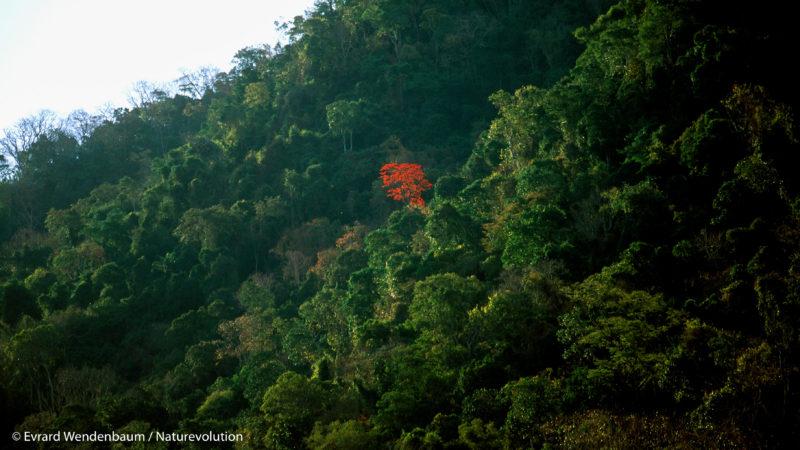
(343, 116)
(196, 84)
(350, 434)
(406, 182)
(34, 354)
(18, 140)
(291, 405)
(441, 305)
(212, 228)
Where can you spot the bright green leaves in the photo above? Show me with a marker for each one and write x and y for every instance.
(211, 228)
(709, 146)
(440, 306)
(519, 319)
(294, 403)
(533, 400)
(760, 118)
(511, 127)
(699, 362)
(328, 320)
(543, 179)
(32, 356)
(350, 434)
(294, 399)
(449, 227)
(538, 233)
(530, 125)
(256, 94)
(344, 116)
(622, 337)
(405, 331)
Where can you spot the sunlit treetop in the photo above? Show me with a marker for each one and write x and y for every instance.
(405, 182)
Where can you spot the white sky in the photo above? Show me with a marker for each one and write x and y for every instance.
(65, 55)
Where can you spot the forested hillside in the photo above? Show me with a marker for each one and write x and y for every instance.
(423, 224)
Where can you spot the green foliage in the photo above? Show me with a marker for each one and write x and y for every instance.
(291, 405)
(440, 306)
(342, 435)
(220, 404)
(476, 435)
(609, 258)
(17, 301)
(532, 402)
(537, 234)
(622, 337)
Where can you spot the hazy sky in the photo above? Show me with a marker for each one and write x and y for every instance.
(69, 54)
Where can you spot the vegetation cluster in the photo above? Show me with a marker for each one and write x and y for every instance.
(607, 254)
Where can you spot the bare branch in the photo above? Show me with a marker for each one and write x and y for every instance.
(197, 83)
(19, 139)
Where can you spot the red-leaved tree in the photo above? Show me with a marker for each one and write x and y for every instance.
(406, 182)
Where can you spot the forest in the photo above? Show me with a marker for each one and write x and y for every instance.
(422, 224)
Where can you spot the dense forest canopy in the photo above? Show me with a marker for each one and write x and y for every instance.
(597, 242)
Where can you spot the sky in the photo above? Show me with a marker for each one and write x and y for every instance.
(64, 55)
